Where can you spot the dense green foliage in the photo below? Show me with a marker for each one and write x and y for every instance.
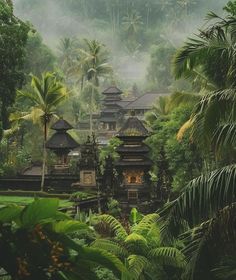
(175, 161)
(46, 94)
(159, 70)
(38, 56)
(51, 252)
(140, 248)
(204, 212)
(192, 143)
(13, 40)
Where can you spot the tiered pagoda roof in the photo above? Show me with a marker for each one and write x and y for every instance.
(112, 90)
(61, 140)
(61, 125)
(133, 127)
(111, 108)
(133, 152)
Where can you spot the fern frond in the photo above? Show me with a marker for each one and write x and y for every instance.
(110, 246)
(136, 244)
(169, 256)
(145, 225)
(136, 265)
(115, 226)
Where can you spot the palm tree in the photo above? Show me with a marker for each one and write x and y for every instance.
(68, 53)
(159, 110)
(132, 23)
(165, 104)
(210, 56)
(204, 214)
(139, 247)
(93, 66)
(47, 93)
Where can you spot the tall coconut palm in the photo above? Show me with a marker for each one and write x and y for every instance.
(94, 64)
(140, 248)
(68, 52)
(132, 23)
(47, 93)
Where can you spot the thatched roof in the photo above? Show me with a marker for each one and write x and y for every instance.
(112, 90)
(61, 125)
(145, 101)
(62, 141)
(133, 127)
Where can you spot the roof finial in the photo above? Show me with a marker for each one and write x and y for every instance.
(132, 113)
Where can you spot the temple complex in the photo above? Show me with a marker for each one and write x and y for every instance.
(88, 165)
(61, 143)
(111, 111)
(116, 107)
(133, 184)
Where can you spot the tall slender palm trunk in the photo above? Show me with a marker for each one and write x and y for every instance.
(44, 157)
(91, 109)
(91, 114)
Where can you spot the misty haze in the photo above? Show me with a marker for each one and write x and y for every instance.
(117, 140)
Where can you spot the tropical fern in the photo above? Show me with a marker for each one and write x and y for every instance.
(169, 256)
(115, 226)
(136, 244)
(146, 224)
(110, 246)
(136, 265)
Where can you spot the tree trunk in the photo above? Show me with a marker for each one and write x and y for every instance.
(82, 83)
(44, 157)
(91, 112)
(4, 115)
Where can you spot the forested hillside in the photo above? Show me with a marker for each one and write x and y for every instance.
(137, 33)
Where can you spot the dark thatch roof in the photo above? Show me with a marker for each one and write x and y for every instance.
(133, 127)
(145, 101)
(61, 125)
(135, 149)
(112, 90)
(61, 140)
(108, 119)
(144, 162)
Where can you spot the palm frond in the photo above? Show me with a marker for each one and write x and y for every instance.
(226, 270)
(201, 199)
(225, 136)
(38, 91)
(186, 126)
(212, 238)
(178, 98)
(213, 110)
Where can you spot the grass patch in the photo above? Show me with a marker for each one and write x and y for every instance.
(25, 200)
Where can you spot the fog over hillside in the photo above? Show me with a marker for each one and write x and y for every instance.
(55, 19)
